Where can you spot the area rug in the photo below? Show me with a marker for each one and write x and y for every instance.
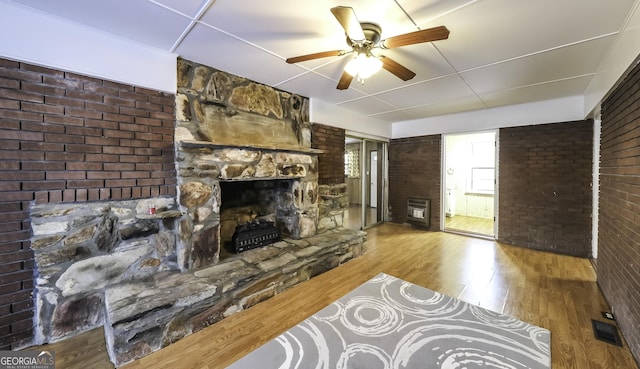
(389, 323)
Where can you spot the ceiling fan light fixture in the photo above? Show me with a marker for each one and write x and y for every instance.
(363, 66)
(363, 37)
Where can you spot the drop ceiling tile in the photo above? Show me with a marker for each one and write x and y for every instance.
(490, 31)
(427, 13)
(187, 7)
(427, 92)
(563, 63)
(368, 106)
(546, 91)
(219, 50)
(138, 20)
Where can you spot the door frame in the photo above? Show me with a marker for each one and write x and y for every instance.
(443, 182)
(382, 209)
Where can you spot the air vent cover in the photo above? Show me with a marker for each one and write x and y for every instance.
(606, 332)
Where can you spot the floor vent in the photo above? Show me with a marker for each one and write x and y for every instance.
(606, 332)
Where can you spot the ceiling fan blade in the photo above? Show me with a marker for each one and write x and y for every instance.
(345, 81)
(347, 18)
(417, 37)
(396, 68)
(324, 54)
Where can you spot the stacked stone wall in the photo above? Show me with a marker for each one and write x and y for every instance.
(82, 248)
(333, 204)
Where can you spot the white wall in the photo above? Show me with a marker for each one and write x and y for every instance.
(45, 40)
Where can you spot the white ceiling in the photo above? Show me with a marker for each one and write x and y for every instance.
(499, 52)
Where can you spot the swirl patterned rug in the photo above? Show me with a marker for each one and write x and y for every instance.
(391, 323)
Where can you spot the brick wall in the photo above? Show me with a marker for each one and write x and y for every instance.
(415, 171)
(64, 138)
(331, 162)
(545, 195)
(619, 217)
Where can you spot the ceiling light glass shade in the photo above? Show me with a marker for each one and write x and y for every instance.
(363, 66)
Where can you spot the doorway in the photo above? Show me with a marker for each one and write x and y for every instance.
(364, 175)
(469, 183)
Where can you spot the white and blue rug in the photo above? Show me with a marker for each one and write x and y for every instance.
(388, 323)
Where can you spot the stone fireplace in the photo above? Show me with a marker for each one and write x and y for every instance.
(154, 270)
(232, 133)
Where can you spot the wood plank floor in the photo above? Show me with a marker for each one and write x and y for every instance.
(553, 291)
(469, 224)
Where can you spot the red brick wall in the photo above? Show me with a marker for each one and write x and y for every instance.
(619, 217)
(414, 171)
(331, 162)
(65, 138)
(545, 195)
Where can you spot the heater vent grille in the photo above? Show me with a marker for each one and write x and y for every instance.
(419, 212)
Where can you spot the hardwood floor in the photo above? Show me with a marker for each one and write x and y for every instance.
(468, 224)
(553, 291)
(353, 219)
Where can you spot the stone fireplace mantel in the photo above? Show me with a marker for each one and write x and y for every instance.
(211, 145)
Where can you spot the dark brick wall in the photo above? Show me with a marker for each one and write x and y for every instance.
(331, 161)
(64, 138)
(415, 171)
(545, 194)
(619, 210)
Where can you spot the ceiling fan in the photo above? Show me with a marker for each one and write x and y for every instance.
(363, 38)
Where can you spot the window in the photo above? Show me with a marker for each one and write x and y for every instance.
(481, 170)
(352, 163)
(482, 180)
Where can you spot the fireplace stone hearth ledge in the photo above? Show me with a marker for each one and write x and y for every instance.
(114, 264)
(145, 315)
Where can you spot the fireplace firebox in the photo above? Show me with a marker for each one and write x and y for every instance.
(254, 213)
(254, 234)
